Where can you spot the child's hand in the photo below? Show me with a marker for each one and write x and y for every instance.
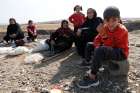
(66, 36)
(78, 32)
(34, 34)
(100, 28)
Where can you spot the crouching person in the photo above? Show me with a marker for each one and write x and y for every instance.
(32, 33)
(61, 39)
(111, 44)
(14, 33)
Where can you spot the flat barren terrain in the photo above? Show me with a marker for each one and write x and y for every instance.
(63, 70)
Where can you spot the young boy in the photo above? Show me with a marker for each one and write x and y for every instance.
(111, 44)
(32, 33)
(78, 18)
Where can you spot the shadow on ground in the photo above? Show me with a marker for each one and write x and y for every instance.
(70, 69)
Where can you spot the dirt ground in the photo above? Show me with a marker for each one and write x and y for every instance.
(63, 70)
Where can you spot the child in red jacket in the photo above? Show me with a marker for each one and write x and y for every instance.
(32, 33)
(110, 44)
(78, 18)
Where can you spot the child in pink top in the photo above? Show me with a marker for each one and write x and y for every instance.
(32, 33)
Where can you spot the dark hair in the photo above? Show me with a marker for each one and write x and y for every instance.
(12, 19)
(64, 21)
(77, 6)
(94, 11)
(111, 12)
(30, 21)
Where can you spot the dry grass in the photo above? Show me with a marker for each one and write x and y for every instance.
(40, 26)
(47, 27)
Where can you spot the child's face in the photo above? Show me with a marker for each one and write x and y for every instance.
(65, 25)
(90, 14)
(31, 23)
(112, 22)
(78, 9)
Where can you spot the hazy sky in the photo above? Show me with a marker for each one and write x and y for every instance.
(46, 10)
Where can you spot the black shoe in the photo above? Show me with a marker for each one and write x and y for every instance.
(85, 64)
(87, 83)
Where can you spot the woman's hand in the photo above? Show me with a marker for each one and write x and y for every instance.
(13, 35)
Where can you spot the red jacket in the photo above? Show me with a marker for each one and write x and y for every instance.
(77, 19)
(115, 39)
(32, 29)
(60, 32)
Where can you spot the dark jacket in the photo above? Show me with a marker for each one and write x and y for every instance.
(14, 29)
(89, 34)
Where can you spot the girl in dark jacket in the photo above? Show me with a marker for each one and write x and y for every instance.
(87, 31)
(14, 33)
(62, 38)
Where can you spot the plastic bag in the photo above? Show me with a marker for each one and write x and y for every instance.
(33, 58)
(56, 91)
(18, 51)
(5, 50)
(40, 46)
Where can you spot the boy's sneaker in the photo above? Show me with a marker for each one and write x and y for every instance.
(87, 83)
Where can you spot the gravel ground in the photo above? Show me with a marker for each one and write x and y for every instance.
(63, 70)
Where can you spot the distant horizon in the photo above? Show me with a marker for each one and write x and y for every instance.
(51, 21)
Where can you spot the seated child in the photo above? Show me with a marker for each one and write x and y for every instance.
(32, 33)
(62, 38)
(14, 33)
(111, 44)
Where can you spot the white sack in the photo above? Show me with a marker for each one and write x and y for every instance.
(18, 51)
(5, 50)
(33, 58)
(40, 46)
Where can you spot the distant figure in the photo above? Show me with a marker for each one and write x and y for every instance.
(77, 18)
(61, 39)
(32, 33)
(87, 32)
(14, 33)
